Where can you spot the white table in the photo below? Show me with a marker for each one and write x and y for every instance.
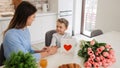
(58, 59)
(112, 38)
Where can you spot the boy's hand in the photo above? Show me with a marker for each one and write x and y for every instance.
(53, 50)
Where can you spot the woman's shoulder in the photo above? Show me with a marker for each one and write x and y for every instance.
(12, 32)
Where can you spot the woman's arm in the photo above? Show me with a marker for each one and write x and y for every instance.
(42, 50)
(51, 51)
(13, 43)
(38, 51)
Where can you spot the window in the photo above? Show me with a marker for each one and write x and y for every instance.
(89, 9)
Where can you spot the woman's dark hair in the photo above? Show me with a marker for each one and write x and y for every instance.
(22, 12)
(64, 21)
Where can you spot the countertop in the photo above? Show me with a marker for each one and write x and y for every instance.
(37, 15)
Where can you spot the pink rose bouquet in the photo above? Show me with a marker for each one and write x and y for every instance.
(96, 54)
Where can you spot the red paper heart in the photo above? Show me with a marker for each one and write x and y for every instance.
(67, 47)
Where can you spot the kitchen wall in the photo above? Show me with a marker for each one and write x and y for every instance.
(39, 4)
(77, 16)
(5, 5)
(49, 19)
(108, 17)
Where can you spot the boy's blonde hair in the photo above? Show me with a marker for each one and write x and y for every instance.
(64, 21)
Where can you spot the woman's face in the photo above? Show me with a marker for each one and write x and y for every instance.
(60, 28)
(30, 19)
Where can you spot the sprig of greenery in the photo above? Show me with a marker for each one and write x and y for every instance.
(20, 60)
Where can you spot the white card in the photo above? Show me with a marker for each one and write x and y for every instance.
(68, 45)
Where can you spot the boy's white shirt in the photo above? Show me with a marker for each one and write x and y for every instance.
(56, 39)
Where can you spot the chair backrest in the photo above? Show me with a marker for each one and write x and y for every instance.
(96, 32)
(2, 57)
(48, 37)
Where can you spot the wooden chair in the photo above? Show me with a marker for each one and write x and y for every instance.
(96, 32)
(2, 57)
(48, 37)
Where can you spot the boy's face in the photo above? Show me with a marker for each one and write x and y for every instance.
(60, 27)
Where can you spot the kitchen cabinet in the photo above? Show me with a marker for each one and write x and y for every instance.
(42, 23)
(40, 26)
(3, 26)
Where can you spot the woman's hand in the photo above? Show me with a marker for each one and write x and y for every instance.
(46, 49)
(49, 51)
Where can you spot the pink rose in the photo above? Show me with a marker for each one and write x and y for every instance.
(102, 58)
(105, 64)
(111, 51)
(92, 42)
(105, 54)
(104, 61)
(90, 53)
(113, 60)
(99, 50)
(96, 65)
(91, 61)
(89, 49)
(109, 61)
(97, 59)
(87, 67)
(96, 53)
(102, 47)
(87, 64)
(92, 56)
(100, 63)
(108, 46)
(110, 56)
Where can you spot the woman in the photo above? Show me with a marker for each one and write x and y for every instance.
(17, 36)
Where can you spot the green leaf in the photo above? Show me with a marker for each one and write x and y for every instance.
(102, 44)
(20, 60)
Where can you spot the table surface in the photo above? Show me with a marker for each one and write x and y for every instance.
(59, 58)
(111, 38)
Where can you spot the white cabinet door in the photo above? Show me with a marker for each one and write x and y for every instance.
(40, 26)
(3, 26)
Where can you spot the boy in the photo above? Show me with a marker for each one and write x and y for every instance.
(61, 27)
